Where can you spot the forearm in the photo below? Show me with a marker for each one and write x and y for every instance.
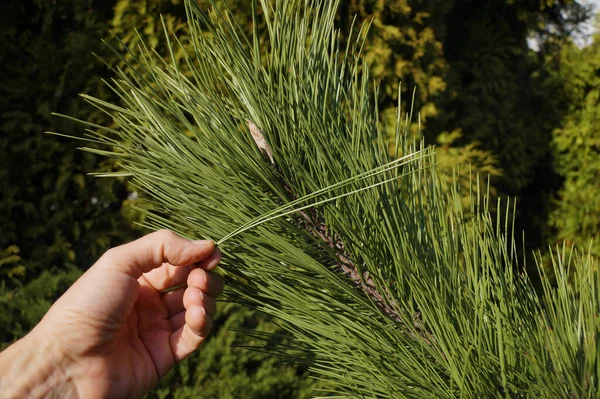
(31, 368)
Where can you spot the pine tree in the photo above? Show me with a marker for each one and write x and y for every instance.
(388, 287)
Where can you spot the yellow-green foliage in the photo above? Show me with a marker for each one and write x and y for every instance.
(21, 309)
(143, 17)
(467, 164)
(11, 263)
(576, 213)
(402, 47)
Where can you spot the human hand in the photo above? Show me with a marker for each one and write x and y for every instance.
(114, 333)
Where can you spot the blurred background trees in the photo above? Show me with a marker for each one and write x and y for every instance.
(499, 85)
(575, 144)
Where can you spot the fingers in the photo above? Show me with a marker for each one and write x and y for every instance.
(168, 276)
(211, 262)
(210, 283)
(183, 298)
(191, 326)
(203, 287)
(195, 297)
(153, 250)
(188, 338)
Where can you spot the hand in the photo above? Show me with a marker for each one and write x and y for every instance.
(114, 334)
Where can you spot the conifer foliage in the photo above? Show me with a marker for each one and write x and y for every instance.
(370, 261)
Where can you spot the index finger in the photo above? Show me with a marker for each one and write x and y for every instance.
(151, 251)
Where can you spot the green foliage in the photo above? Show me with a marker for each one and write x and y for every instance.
(402, 46)
(51, 214)
(495, 90)
(396, 292)
(576, 213)
(23, 308)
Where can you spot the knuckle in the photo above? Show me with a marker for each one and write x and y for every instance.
(109, 257)
(165, 234)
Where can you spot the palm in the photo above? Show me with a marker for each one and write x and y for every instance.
(142, 350)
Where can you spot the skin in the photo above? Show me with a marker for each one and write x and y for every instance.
(114, 334)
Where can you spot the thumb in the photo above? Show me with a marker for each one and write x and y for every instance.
(151, 251)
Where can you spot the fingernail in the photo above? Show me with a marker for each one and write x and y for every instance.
(204, 242)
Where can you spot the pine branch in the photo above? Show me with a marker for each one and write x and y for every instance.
(380, 272)
(362, 281)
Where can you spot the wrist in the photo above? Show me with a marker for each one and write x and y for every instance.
(34, 368)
